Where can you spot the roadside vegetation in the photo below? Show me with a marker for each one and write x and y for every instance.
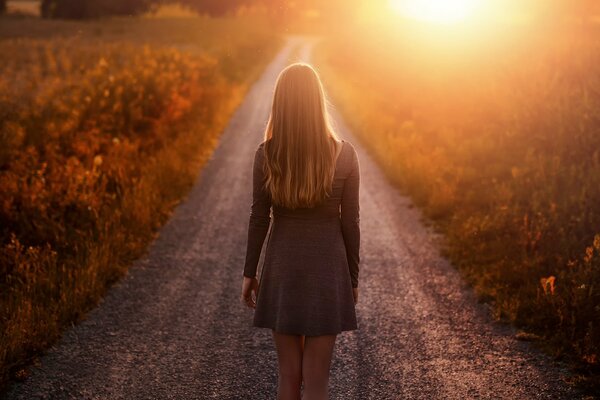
(104, 126)
(497, 141)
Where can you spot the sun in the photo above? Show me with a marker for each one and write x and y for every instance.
(439, 11)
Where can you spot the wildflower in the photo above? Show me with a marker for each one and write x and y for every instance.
(97, 161)
(589, 252)
(515, 172)
(590, 358)
(548, 284)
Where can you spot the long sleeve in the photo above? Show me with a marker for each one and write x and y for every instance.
(350, 218)
(260, 215)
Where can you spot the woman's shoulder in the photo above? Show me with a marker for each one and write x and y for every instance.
(349, 144)
(259, 153)
(261, 145)
(350, 148)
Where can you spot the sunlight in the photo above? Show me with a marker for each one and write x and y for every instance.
(438, 11)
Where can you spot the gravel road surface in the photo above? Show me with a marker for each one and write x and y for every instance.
(174, 327)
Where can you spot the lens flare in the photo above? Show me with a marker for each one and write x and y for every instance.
(439, 11)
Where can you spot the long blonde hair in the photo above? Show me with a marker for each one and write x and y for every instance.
(299, 151)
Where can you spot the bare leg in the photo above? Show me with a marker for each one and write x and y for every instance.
(303, 342)
(316, 362)
(289, 358)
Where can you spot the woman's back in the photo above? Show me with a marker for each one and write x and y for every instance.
(312, 254)
(330, 208)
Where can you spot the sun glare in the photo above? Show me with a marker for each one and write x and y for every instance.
(439, 11)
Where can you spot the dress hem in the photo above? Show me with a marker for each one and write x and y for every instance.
(267, 326)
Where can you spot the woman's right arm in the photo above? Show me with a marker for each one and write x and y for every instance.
(350, 218)
(260, 215)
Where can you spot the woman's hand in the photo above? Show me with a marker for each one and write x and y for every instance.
(355, 294)
(248, 286)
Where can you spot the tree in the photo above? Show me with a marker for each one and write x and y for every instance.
(79, 9)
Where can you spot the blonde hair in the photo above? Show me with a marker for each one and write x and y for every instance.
(299, 151)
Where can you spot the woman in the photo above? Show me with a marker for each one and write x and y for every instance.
(309, 279)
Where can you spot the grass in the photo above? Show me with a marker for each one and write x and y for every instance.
(497, 142)
(104, 127)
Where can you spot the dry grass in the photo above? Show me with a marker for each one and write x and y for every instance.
(101, 135)
(498, 143)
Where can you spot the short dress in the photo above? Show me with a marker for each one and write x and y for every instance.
(311, 259)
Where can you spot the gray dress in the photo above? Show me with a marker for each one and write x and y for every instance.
(311, 259)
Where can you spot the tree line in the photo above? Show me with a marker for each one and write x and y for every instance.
(82, 9)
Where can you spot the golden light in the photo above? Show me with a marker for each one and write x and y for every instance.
(438, 11)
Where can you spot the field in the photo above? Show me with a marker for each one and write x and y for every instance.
(104, 126)
(497, 141)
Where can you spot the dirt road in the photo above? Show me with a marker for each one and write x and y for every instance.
(174, 328)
